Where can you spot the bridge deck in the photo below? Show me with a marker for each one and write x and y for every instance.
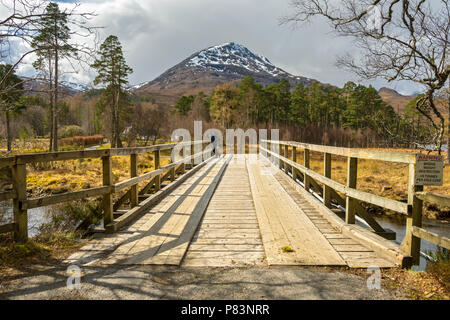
(231, 213)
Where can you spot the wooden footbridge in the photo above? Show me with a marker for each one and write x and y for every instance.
(234, 210)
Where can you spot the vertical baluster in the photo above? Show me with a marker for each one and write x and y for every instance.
(306, 161)
(19, 178)
(352, 176)
(327, 174)
(108, 213)
(133, 173)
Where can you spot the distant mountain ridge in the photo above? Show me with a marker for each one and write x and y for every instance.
(208, 68)
(395, 99)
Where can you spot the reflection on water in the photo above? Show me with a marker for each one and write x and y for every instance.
(36, 217)
(398, 224)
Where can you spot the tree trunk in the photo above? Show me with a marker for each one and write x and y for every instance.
(8, 130)
(117, 124)
(55, 105)
(448, 124)
(51, 104)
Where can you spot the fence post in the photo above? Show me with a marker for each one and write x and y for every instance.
(294, 159)
(411, 243)
(327, 174)
(352, 174)
(133, 173)
(19, 177)
(306, 163)
(156, 155)
(107, 203)
(280, 152)
(286, 155)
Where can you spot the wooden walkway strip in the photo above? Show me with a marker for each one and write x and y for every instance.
(163, 237)
(289, 237)
(229, 233)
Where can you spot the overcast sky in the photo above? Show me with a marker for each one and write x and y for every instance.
(157, 34)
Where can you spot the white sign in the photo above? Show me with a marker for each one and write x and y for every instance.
(429, 170)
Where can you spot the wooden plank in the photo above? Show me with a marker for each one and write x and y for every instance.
(8, 195)
(327, 174)
(365, 260)
(64, 197)
(134, 181)
(19, 178)
(152, 200)
(9, 227)
(59, 156)
(134, 200)
(352, 177)
(353, 193)
(434, 198)
(431, 237)
(309, 245)
(354, 153)
(107, 202)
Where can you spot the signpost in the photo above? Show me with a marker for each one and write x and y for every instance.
(429, 170)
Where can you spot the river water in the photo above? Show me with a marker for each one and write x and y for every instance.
(36, 217)
(398, 224)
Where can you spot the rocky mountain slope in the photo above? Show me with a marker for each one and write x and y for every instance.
(206, 69)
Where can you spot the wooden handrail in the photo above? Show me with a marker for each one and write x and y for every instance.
(350, 152)
(82, 154)
(18, 169)
(351, 192)
(431, 237)
(434, 198)
(416, 196)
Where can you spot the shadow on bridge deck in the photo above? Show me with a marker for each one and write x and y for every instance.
(235, 211)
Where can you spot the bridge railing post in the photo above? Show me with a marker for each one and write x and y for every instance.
(327, 174)
(280, 153)
(352, 175)
(133, 173)
(411, 243)
(306, 163)
(19, 178)
(157, 159)
(107, 203)
(294, 159)
(286, 155)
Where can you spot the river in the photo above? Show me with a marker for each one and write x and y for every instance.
(36, 217)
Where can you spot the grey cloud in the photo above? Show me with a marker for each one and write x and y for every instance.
(157, 34)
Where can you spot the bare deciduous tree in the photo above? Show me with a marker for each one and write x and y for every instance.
(398, 40)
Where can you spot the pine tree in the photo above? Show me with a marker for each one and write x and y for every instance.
(113, 72)
(11, 90)
(52, 45)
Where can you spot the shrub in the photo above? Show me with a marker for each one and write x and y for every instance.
(71, 131)
(83, 141)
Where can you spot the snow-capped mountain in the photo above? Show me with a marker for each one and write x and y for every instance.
(65, 87)
(206, 69)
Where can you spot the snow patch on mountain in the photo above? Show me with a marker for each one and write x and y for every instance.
(232, 54)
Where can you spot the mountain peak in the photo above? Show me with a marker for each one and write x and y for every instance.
(231, 54)
(210, 67)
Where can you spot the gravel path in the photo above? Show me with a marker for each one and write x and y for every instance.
(194, 283)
